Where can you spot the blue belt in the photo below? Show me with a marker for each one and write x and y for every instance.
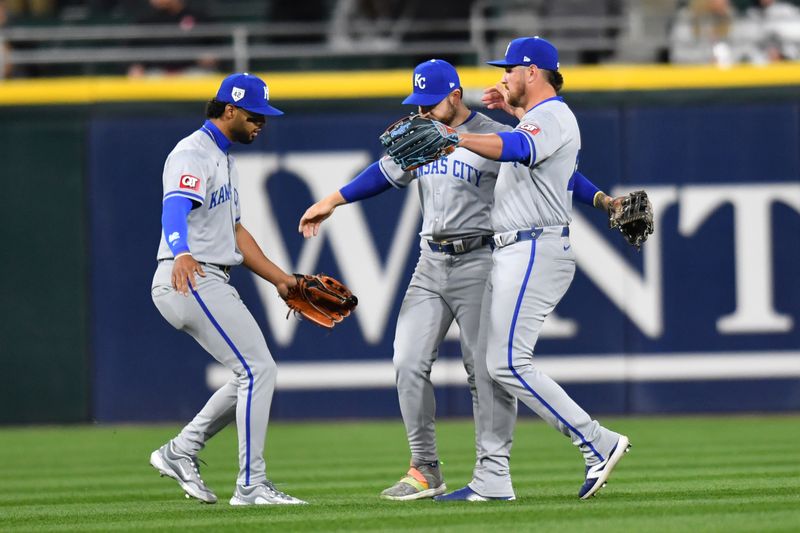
(460, 246)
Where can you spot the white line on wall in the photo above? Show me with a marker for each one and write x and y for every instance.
(567, 369)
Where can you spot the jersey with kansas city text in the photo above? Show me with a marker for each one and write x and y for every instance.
(455, 191)
(198, 170)
(538, 192)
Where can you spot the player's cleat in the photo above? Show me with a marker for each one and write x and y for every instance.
(183, 469)
(262, 494)
(423, 481)
(466, 494)
(597, 475)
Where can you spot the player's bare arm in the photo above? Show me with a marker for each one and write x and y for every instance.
(255, 260)
(369, 182)
(314, 215)
(487, 145)
(183, 273)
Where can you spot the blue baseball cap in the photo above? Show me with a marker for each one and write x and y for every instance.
(527, 51)
(433, 80)
(248, 92)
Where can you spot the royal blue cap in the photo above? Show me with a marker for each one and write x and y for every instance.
(433, 80)
(248, 92)
(527, 51)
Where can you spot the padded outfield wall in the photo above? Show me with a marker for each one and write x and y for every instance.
(706, 318)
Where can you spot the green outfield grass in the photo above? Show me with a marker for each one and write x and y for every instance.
(683, 474)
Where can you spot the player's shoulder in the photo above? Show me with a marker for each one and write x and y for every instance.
(554, 108)
(550, 115)
(194, 147)
(480, 123)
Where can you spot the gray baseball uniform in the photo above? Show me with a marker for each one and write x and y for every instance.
(456, 196)
(533, 266)
(214, 314)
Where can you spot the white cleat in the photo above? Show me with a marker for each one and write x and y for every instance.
(262, 494)
(183, 469)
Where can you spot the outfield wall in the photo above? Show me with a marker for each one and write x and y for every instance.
(704, 319)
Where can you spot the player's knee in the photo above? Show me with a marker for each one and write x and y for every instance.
(498, 371)
(469, 368)
(263, 369)
(407, 366)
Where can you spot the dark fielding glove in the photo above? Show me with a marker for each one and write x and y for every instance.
(633, 216)
(321, 299)
(415, 141)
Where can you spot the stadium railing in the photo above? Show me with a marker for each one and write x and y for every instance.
(245, 46)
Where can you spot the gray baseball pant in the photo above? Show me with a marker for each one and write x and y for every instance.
(443, 288)
(528, 280)
(215, 316)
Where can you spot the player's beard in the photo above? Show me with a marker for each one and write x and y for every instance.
(447, 115)
(451, 116)
(243, 136)
(514, 96)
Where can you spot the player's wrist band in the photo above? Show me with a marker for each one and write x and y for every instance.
(182, 254)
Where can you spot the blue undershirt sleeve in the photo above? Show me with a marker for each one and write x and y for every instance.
(516, 147)
(369, 183)
(173, 222)
(584, 190)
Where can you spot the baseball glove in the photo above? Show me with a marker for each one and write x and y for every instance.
(321, 299)
(633, 216)
(415, 141)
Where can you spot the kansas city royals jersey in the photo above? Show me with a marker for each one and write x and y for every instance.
(538, 192)
(198, 170)
(455, 191)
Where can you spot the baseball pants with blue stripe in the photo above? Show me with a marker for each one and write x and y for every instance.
(443, 288)
(216, 317)
(528, 280)
(446, 288)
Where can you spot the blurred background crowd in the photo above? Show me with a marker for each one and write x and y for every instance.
(158, 37)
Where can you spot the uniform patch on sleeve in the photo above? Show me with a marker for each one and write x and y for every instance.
(190, 182)
(531, 128)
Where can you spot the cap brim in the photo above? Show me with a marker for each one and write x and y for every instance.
(424, 99)
(267, 110)
(501, 63)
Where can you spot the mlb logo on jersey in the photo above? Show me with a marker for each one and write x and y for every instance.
(190, 182)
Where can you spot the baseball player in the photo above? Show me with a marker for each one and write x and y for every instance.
(448, 283)
(533, 260)
(202, 239)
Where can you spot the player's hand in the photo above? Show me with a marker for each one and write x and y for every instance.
(313, 217)
(608, 204)
(614, 205)
(494, 97)
(183, 274)
(497, 98)
(284, 286)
